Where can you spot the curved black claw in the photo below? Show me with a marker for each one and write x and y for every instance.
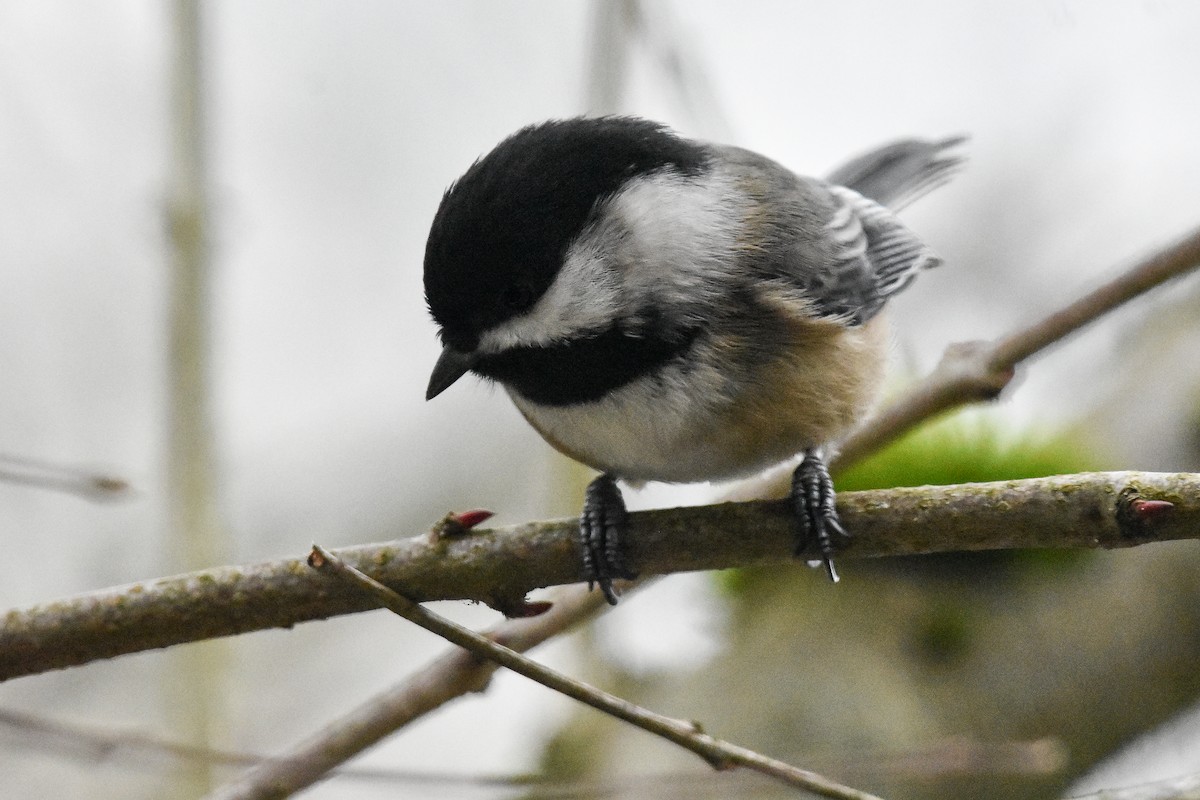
(816, 516)
(603, 526)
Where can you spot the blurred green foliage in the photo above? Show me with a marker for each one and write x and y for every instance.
(973, 445)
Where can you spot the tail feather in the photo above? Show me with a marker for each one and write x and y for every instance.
(901, 172)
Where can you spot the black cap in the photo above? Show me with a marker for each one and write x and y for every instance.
(502, 230)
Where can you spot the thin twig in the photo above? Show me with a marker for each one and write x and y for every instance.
(952, 756)
(455, 673)
(194, 534)
(975, 371)
(41, 474)
(1186, 787)
(720, 754)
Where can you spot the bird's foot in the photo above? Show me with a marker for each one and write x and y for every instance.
(816, 517)
(602, 528)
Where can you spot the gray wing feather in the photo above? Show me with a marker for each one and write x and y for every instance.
(868, 256)
(871, 254)
(843, 251)
(893, 253)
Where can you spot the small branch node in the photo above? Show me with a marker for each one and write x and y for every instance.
(972, 367)
(317, 557)
(1137, 515)
(1150, 510)
(520, 608)
(721, 763)
(458, 523)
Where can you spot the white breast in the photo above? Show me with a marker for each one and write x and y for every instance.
(699, 424)
(647, 430)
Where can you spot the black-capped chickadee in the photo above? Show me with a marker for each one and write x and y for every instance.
(663, 309)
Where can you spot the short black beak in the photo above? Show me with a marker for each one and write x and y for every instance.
(451, 366)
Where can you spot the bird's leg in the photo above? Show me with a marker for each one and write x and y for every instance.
(603, 526)
(816, 517)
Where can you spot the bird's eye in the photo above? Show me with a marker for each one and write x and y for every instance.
(517, 297)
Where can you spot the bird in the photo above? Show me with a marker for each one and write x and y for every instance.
(662, 308)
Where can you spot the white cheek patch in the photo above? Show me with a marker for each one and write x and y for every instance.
(664, 241)
(584, 297)
(683, 237)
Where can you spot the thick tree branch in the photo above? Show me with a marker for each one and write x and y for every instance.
(499, 566)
